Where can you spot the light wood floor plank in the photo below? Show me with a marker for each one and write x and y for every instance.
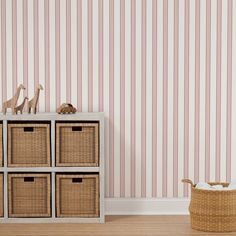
(115, 225)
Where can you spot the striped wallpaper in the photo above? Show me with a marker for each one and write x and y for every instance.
(163, 71)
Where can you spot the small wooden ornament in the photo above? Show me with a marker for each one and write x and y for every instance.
(32, 104)
(11, 103)
(66, 108)
(21, 106)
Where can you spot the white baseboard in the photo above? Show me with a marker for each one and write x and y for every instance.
(143, 206)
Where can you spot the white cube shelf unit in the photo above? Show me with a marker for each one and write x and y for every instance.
(53, 169)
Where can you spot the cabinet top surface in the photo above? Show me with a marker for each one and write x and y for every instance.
(54, 116)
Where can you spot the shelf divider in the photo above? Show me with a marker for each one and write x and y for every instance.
(53, 136)
(53, 192)
(5, 178)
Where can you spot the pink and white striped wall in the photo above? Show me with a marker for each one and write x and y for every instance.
(163, 71)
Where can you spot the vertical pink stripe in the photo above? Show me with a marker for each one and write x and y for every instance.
(100, 54)
(14, 45)
(90, 55)
(186, 95)
(3, 50)
(143, 101)
(154, 98)
(218, 89)
(175, 102)
(25, 46)
(36, 43)
(47, 55)
(165, 96)
(197, 91)
(58, 54)
(122, 98)
(208, 82)
(229, 90)
(133, 94)
(79, 55)
(111, 97)
(68, 50)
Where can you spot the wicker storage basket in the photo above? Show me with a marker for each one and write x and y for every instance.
(77, 144)
(1, 195)
(29, 195)
(28, 145)
(212, 211)
(1, 145)
(77, 195)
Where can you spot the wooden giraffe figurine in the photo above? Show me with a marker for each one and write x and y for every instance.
(11, 103)
(21, 106)
(32, 104)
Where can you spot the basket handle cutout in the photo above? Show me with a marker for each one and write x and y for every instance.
(77, 128)
(77, 180)
(188, 181)
(28, 129)
(28, 179)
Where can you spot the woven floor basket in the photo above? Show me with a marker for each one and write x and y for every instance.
(212, 210)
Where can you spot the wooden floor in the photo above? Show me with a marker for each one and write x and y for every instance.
(115, 225)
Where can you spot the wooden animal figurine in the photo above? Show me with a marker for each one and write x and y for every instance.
(11, 103)
(32, 104)
(66, 108)
(21, 106)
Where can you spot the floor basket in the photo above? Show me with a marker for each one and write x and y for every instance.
(77, 144)
(28, 145)
(77, 195)
(29, 195)
(212, 210)
(1, 195)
